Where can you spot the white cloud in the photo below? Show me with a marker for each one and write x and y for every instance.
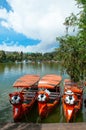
(5, 24)
(3, 14)
(38, 19)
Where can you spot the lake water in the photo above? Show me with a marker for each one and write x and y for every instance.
(9, 72)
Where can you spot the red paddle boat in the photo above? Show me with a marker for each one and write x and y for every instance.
(48, 94)
(72, 99)
(23, 100)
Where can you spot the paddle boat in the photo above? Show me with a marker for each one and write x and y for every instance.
(23, 100)
(72, 99)
(48, 94)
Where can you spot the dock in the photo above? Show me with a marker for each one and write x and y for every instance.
(46, 126)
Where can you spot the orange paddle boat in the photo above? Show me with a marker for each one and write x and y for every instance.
(23, 101)
(72, 99)
(48, 94)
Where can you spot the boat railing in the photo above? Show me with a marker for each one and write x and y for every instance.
(54, 93)
(29, 95)
(30, 92)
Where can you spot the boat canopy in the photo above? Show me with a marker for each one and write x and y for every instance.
(26, 81)
(68, 84)
(49, 81)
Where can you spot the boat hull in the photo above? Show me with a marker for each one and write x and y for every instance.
(22, 108)
(48, 94)
(71, 100)
(68, 111)
(21, 111)
(46, 107)
(24, 100)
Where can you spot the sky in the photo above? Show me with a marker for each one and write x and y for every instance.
(33, 25)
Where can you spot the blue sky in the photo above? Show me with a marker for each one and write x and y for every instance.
(10, 37)
(29, 27)
(4, 4)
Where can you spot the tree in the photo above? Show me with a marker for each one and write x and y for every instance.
(72, 49)
(21, 56)
(2, 56)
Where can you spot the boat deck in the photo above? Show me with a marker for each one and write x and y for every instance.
(50, 126)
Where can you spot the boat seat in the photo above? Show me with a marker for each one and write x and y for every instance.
(54, 93)
(54, 96)
(27, 101)
(29, 96)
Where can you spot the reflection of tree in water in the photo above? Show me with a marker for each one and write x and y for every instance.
(11, 66)
(21, 66)
(2, 68)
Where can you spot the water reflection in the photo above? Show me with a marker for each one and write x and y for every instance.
(2, 67)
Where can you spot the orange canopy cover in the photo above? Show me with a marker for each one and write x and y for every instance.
(26, 81)
(49, 81)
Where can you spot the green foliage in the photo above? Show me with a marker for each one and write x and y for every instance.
(73, 55)
(20, 56)
(72, 49)
(72, 20)
(35, 57)
(2, 56)
(81, 2)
